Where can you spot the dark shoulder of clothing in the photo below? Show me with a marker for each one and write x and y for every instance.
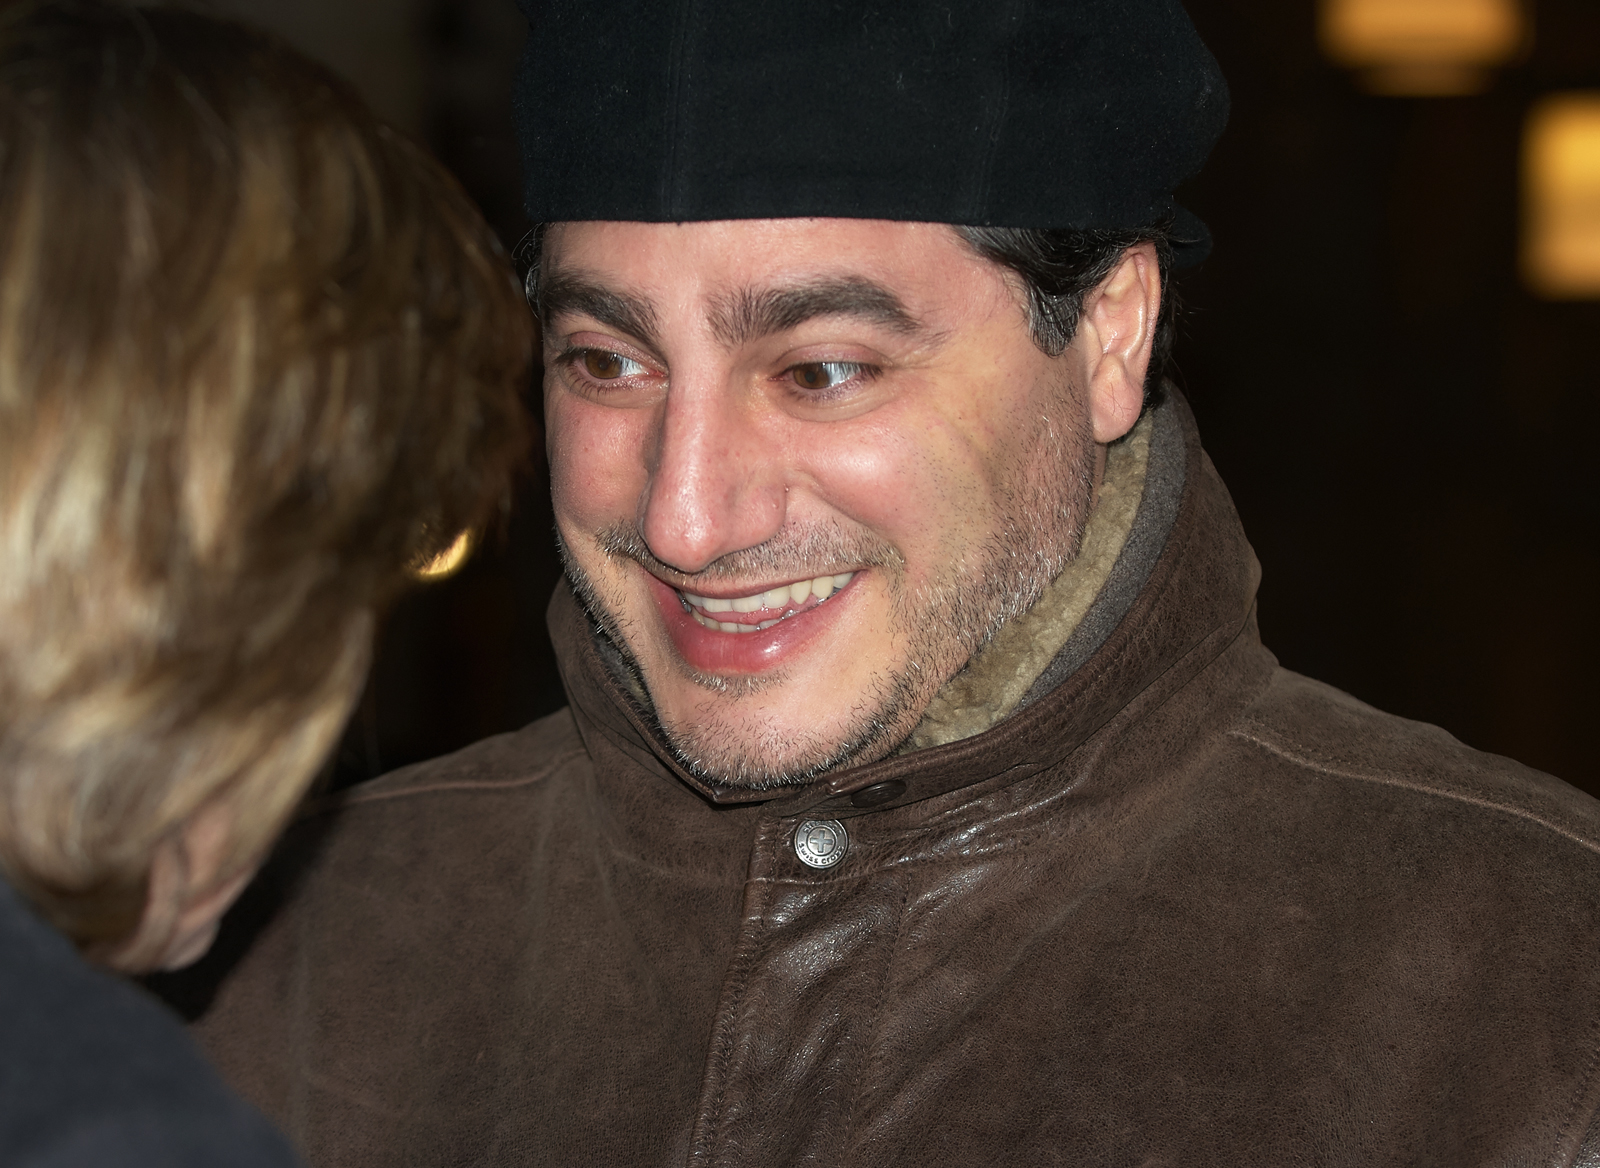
(95, 1073)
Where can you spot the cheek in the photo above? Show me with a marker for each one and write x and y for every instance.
(596, 461)
(923, 483)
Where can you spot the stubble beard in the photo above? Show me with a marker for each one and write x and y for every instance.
(1039, 523)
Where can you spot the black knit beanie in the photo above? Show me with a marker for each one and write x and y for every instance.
(1013, 113)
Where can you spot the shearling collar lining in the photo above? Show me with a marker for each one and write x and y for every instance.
(1001, 674)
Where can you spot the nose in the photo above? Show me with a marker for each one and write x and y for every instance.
(716, 480)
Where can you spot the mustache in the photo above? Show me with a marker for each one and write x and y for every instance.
(793, 552)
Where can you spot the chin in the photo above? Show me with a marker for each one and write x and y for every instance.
(755, 751)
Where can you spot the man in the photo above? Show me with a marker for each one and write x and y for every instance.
(926, 795)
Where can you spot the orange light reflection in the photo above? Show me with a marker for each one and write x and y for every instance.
(1422, 48)
(447, 562)
(1561, 197)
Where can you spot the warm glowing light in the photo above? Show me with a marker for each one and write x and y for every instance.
(447, 562)
(1422, 48)
(1561, 197)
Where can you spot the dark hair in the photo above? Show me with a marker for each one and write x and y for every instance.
(1059, 267)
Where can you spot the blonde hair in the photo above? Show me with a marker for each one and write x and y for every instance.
(258, 353)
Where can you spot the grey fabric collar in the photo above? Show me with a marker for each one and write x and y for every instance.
(1158, 511)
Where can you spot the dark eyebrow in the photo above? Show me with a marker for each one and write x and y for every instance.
(750, 314)
(561, 294)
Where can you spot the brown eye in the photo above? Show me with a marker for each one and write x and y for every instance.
(813, 376)
(829, 375)
(602, 365)
(819, 375)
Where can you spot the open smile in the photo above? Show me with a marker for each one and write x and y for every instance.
(758, 631)
(762, 610)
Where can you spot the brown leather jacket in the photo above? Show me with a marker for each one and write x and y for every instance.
(1183, 908)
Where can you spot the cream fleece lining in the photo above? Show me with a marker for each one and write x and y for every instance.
(1001, 672)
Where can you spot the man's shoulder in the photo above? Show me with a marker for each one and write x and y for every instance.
(543, 752)
(395, 867)
(440, 817)
(1354, 754)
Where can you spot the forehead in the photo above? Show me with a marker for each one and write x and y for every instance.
(927, 266)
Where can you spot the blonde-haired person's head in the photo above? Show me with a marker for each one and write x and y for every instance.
(258, 353)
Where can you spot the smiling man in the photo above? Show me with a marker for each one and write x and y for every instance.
(804, 468)
(926, 794)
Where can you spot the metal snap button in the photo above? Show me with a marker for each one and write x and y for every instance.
(883, 792)
(820, 843)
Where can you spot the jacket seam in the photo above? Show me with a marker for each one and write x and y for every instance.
(1305, 760)
(1568, 1134)
(726, 1021)
(870, 1062)
(459, 784)
(1568, 1138)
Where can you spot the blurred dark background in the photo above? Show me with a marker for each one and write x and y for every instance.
(1406, 429)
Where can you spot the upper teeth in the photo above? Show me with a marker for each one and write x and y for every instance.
(797, 593)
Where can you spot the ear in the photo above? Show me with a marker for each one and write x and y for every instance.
(189, 890)
(1115, 337)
